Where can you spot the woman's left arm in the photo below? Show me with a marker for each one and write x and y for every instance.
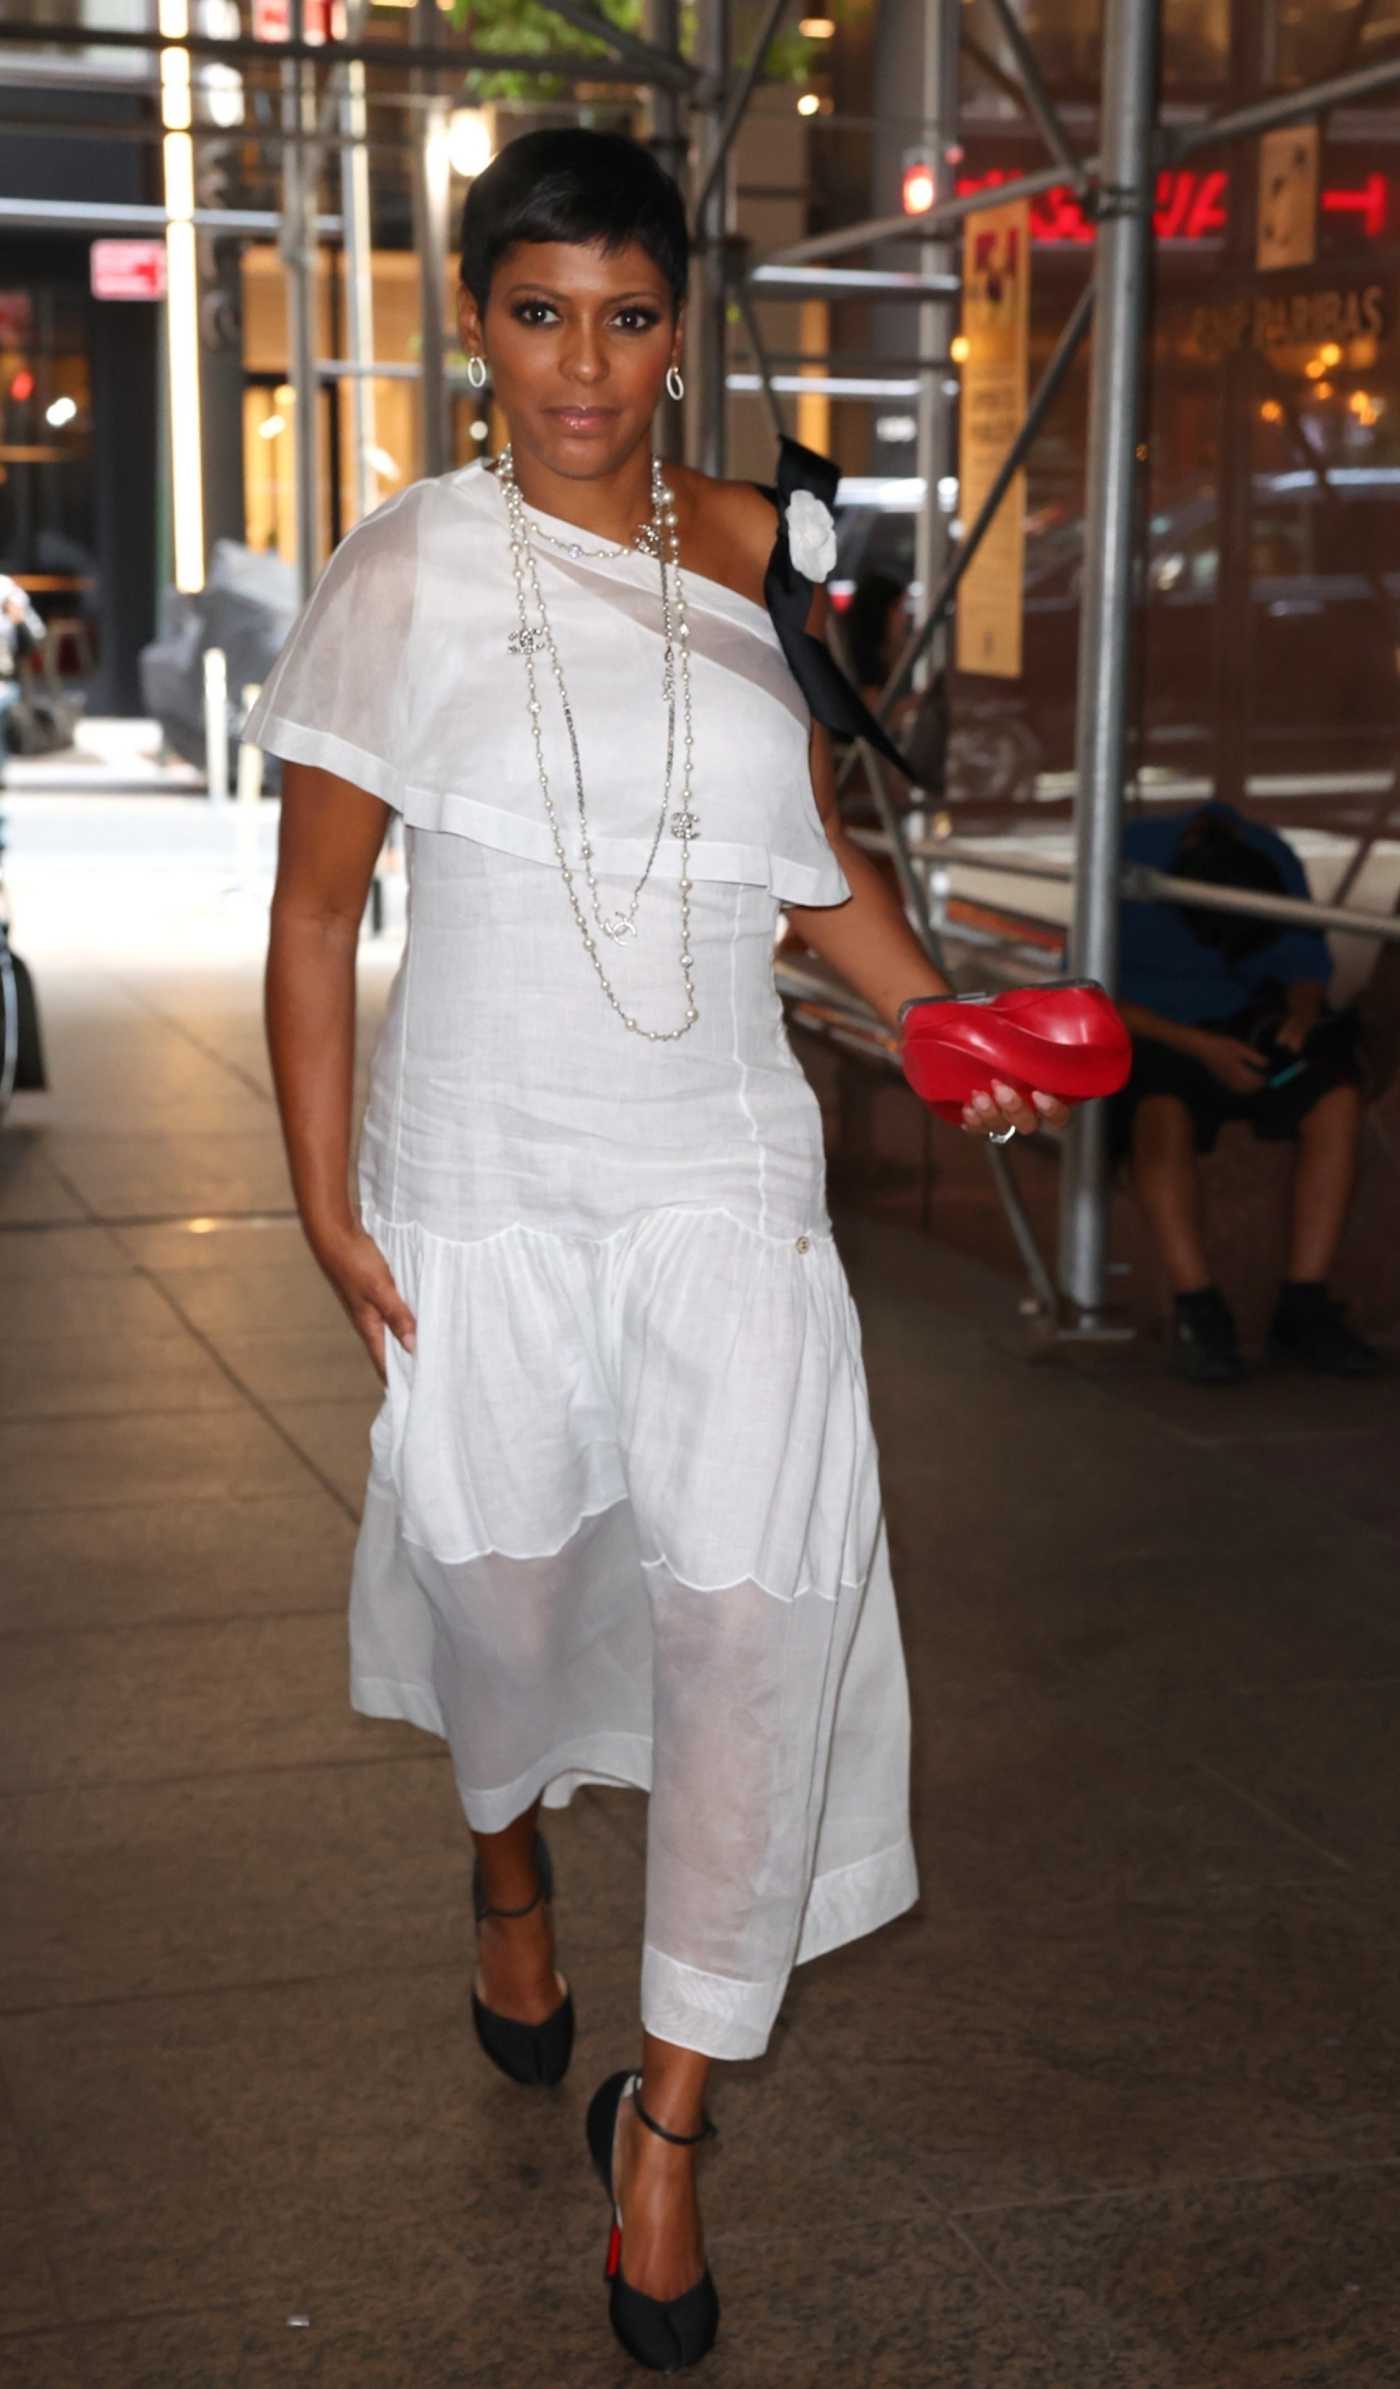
(870, 943)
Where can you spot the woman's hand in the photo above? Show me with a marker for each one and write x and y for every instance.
(992, 1115)
(362, 1278)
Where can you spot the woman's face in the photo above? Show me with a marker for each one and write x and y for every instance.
(578, 342)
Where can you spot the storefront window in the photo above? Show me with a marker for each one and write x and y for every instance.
(46, 478)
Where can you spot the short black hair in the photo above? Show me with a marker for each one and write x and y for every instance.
(566, 183)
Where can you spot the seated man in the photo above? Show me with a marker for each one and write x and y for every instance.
(1230, 1021)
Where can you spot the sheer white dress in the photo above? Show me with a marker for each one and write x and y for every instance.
(623, 1517)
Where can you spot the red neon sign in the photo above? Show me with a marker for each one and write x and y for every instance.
(1190, 204)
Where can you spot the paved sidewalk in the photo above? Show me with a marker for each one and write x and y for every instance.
(1115, 2108)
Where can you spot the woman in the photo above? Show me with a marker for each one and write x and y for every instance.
(623, 1522)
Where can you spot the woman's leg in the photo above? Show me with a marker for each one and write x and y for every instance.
(515, 1972)
(663, 2246)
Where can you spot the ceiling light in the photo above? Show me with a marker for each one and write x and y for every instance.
(62, 411)
(817, 28)
(470, 143)
(808, 104)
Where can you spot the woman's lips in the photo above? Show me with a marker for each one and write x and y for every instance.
(582, 418)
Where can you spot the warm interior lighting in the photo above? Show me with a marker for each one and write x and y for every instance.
(918, 188)
(181, 302)
(960, 348)
(62, 411)
(270, 426)
(1314, 368)
(22, 385)
(817, 28)
(1270, 411)
(1322, 390)
(470, 142)
(808, 104)
(1330, 353)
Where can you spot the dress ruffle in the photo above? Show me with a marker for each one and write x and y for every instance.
(556, 1376)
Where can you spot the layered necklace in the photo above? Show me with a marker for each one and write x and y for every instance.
(532, 637)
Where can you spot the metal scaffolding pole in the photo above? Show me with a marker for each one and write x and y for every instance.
(299, 168)
(937, 318)
(431, 192)
(359, 278)
(1121, 264)
(712, 226)
(662, 25)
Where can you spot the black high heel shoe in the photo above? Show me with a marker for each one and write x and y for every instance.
(666, 2334)
(530, 2053)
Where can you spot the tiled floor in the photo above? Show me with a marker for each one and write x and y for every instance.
(1116, 2108)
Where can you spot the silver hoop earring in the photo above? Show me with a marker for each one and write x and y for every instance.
(476, 372)
(675, 386)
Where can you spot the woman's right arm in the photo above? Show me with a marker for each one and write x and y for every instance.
(330, 837)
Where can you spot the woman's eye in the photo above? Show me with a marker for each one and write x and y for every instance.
(637, 319)
(533, 311)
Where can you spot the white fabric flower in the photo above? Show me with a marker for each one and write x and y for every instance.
(811, 532)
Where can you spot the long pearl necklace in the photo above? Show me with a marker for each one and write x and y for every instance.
(531, 637)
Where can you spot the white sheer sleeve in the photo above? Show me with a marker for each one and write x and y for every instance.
(335, 695)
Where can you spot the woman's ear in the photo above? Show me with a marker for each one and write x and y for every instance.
(469, 323)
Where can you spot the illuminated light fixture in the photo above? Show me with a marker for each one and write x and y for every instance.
(1330, 353)
(270, 427)
(181, 300)
(480, 429)
(62, 411)
(817, 28)
(22, 385)
(960, 348)
(1314, 369)
(1322, 390)
(1270, 411)
(896, 427)
(470, 142)
(918, 184)
(809, 104)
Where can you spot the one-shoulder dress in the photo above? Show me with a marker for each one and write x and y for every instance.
(623, 1519)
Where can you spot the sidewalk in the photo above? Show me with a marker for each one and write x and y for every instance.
(1115, 2108)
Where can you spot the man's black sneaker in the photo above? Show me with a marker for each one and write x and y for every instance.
(1204, 1346)
(1310, 1326)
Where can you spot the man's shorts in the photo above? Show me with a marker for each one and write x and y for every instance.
(1330, 1059)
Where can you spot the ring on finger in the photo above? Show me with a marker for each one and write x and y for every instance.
(1001, 1136)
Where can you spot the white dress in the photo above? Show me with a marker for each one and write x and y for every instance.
(623, 1517)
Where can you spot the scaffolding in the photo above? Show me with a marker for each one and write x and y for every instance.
(697, 106)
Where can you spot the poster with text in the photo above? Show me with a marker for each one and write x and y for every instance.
(995, 323)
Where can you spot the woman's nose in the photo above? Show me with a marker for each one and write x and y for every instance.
(584, 360)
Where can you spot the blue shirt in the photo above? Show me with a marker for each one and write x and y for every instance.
(1166, 968)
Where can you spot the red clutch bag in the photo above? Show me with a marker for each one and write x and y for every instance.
(1065, 1039)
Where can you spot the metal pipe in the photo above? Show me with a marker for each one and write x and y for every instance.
(1042, 398)
(735, 104)
(938, 219)
(1141, 884)
(1122, 260)
(298, 180)
(662, 25)
(359, 272)
(712, 227)
(101, 215)
(1283, 107)
(1034, 91)
(569, 65)
(643, 58)
(849, 282)
(767, 384)
(431, 192)
(936, 321)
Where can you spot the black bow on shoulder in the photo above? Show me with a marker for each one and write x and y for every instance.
(834, 700)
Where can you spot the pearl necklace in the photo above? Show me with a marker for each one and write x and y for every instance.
(532, 637)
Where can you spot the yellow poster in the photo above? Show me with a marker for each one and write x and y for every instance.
(995, 322)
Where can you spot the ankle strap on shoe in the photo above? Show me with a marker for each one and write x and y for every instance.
(707, 2131)
(544, 1876)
